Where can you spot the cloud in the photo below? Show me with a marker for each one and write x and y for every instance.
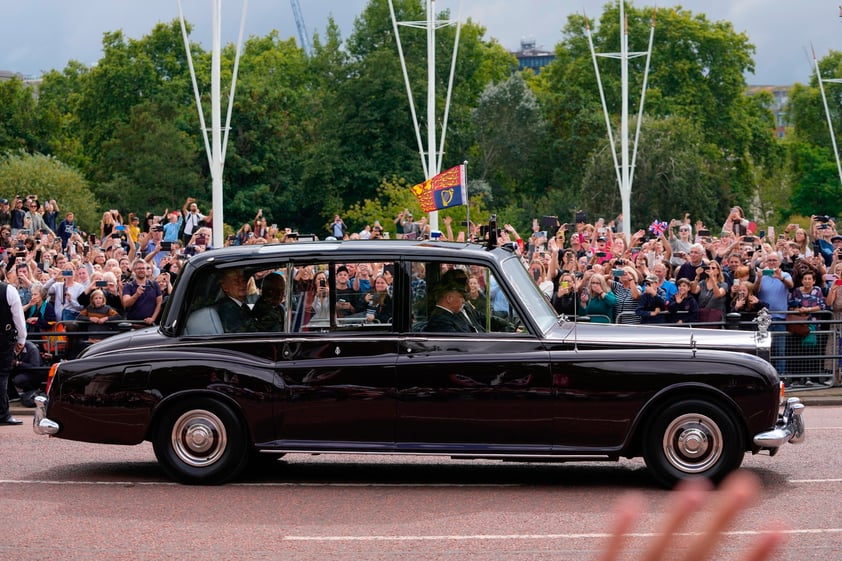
(45, 34)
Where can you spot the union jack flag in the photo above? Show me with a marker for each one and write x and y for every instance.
(658, 227)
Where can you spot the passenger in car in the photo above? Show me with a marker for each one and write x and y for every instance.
(233, 311)
(269, 310)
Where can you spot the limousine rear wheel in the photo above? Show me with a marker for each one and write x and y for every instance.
(692, 438)
(201, 441)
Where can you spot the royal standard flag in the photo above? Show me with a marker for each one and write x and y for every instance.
(445, 190)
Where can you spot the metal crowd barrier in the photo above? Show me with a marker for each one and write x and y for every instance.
(813, 361)
(64, 339)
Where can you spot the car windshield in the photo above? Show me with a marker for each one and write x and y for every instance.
(529, 294)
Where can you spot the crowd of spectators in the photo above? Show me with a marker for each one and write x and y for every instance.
(675, 272)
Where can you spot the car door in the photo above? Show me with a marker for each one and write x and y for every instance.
(489, 390)
(337, 379)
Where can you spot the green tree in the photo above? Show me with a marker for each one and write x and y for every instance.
(675, 172)
(511, 135)
(139, 151)
(132, 72)
(20, 126)
(58, 98)
(697, 72)
(23, 174)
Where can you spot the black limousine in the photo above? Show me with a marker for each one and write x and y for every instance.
(411, 347)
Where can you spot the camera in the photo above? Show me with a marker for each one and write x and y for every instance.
(322, 283)
(823, 218)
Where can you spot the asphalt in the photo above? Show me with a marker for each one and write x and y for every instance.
(811, 397)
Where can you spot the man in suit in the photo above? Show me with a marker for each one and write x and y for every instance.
(234, 312)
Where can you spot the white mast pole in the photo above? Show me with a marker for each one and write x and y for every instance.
(625, 187)
(625, 172)
(827, 110)
(432, 153)
(216, 126)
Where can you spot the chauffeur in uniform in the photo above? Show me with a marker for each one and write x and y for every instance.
(449, 315)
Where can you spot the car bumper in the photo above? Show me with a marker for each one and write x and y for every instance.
(40, 423)
(789, 428)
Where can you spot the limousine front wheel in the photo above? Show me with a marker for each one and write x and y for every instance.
(201, 441)
(692, 438)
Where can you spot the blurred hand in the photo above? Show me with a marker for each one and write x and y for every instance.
(735, 494)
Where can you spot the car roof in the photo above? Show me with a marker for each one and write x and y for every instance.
(348, 249)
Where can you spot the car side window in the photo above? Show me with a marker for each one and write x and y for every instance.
(239, 300)
(459, 297)
(346, 296)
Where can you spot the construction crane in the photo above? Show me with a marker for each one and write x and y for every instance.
(302, 29)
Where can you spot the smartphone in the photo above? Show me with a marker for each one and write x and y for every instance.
(66, 273)
(565, 284)
(323, 284)
(750, 239)
(101, 283)
(115, 235)
(618, 272)
(120, 227)
(600, 254)
(201, 240)
(837, 282)
(166, 246)
(704, 233)
(768, 272)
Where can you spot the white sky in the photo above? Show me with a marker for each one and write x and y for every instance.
(39, 35)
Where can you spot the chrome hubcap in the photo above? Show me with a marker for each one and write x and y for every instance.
(199, 438)
(693, 443)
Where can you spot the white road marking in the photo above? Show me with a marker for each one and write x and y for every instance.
(491, 537)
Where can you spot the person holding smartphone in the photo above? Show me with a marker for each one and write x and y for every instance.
(317, 304)
(107, 283)
(772, 285)
(142, 298)
(64, 291)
